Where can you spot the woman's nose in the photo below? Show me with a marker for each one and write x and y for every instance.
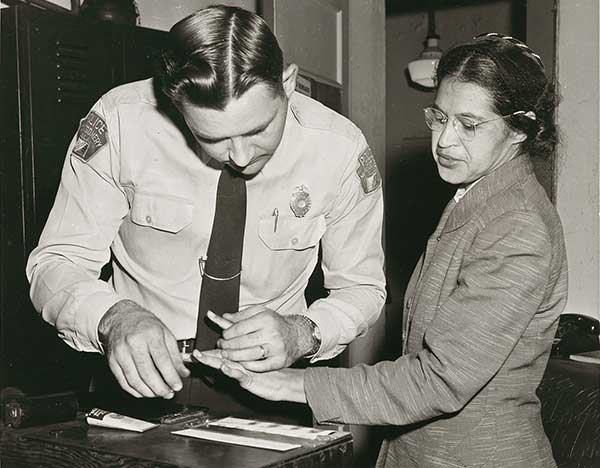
(448, 135)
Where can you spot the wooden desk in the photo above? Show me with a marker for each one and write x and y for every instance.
(75, 444)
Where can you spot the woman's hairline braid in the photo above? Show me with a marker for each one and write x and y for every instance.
(516, 42)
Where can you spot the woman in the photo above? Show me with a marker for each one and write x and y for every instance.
(483, 302)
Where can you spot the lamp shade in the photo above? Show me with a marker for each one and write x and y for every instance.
(422, 70)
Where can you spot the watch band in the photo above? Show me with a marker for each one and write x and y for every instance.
(315, 334)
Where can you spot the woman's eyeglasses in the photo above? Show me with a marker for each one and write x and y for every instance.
(464, 127)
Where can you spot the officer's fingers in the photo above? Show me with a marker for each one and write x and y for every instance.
(165, 366)
(249, 325)
(133, 378)
(118, 373)
(176, 357)
(174, 367)
(240, 342)
(253, 353)
(245, 313)
(220, 321)
(150, 374)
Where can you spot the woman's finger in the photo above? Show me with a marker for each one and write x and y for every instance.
(242, 377)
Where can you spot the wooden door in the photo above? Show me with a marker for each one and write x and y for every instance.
(313, 35)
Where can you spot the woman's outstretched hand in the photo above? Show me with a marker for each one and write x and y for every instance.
(281, 385)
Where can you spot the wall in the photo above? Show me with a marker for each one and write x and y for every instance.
(405, 37)
(578, 176)
(407, 210)
(366, 107)
(153, 13)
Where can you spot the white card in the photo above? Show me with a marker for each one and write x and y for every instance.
(236, 439)
(289, 430)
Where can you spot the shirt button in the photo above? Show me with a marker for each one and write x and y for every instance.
(148, 219)
(294, 240)
(409, 303)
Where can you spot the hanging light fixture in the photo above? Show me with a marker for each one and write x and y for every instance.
(422, 70)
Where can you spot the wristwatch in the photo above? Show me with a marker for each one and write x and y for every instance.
(315, 335)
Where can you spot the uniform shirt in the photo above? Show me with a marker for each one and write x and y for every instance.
(134, 183)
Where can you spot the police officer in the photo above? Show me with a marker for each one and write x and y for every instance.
(139, 182)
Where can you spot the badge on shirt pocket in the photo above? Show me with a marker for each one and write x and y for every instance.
(300, 201)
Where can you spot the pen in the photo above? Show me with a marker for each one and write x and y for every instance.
(276, 214)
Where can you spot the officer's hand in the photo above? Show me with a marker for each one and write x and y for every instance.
(261, 339)
(286, 384)
(142, 353)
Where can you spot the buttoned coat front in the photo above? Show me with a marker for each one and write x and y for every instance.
(481, 310)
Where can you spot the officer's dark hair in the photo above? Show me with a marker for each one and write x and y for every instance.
(514, 77)
(217, 54)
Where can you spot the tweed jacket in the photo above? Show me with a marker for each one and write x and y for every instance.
(481, 310)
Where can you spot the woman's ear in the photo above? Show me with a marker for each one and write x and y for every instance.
(517, 137)
(289, 76)
(520, 137)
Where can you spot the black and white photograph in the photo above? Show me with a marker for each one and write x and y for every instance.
(300, 233)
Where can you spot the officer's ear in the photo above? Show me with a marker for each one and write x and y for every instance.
(289, 76)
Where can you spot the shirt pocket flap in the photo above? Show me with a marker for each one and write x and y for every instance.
(165, 214)
(291, 233)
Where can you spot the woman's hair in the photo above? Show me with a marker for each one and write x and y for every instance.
(217, 54)
(514, 77)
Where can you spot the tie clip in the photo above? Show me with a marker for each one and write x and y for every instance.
(202, 262)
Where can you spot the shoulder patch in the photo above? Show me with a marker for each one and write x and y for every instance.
(91, 136)
(367, 171)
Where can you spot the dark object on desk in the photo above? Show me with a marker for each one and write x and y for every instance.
(576, 334)
(20, 410)
(74, 444)
(570, 396)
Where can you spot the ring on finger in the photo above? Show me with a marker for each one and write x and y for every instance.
(263, 352)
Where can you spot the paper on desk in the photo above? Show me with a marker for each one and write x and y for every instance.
(103, 418)
(272, 428)
(592, 357)
(236, 439)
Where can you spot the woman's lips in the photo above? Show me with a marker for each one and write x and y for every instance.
(446, 160)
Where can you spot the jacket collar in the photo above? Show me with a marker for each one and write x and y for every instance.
(502, 179)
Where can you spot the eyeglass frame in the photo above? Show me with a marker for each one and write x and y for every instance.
(474, 125)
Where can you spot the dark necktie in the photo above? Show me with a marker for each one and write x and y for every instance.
(221, 269)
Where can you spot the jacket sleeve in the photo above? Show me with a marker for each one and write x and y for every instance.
(352, 257)
(499, 290)
(65, 267)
